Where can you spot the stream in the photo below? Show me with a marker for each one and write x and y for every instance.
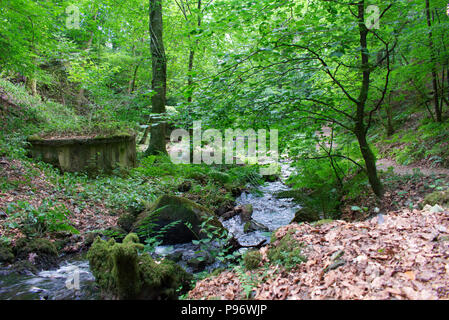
(58, 284)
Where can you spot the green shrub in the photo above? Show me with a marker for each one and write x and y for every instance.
(33, 222)
(286, 253)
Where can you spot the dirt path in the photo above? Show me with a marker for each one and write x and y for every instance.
(384, 164)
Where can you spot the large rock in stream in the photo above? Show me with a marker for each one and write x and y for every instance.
(178, 213)
(121, 272)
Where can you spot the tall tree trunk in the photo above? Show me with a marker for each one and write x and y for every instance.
(159, 81)
(360, 127)
(436, 99)
(192, 57)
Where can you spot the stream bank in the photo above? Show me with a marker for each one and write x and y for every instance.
(52, 284)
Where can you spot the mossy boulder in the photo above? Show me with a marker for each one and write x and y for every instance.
(252, 259)
(176, 212)
(126, 221)
(42, 253)
(122, 272)
(438, 197)
(246, 212)
(306, 215)
(6, 253)
(198, 262)
(253, 225)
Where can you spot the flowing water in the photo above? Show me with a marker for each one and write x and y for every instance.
(268, 210)
(62, 284)
(57, 284)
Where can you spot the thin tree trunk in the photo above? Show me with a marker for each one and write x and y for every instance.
(390, 127)
(159, 81)
(132, 82)
(436, 99)
(192, 57)
(189, 74)
(360, 128)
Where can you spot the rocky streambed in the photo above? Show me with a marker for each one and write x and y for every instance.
(72, 279)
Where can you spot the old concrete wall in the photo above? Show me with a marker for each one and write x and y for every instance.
(86, 154)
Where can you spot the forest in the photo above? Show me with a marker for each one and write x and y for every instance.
(224, 150)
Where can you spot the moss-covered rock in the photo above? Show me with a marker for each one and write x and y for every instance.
(438, 197)
(6, 254)
(246, 212)
(126, 221)
(177, 212)
(121, 272)
(253, 225)
(306, 215)
(252, 259)
(40, 252)
(200, 261)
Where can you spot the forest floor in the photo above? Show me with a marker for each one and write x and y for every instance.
(402, 253)
(31, 186)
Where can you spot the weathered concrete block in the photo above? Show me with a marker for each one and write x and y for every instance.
(85, 154)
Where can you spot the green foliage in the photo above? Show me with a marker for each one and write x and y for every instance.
(34, 222)
(428, 143)
(286, 253)
(213, 242)
(437, 197)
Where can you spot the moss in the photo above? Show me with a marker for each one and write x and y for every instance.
(170, 209)
(122, 273)
(125, 270)
(220, 177)
(253, 225)
(286, 252)
(35, 137)
(6, 254)
(247, 212)
(306, 215)
(126, 221)
(252, 259)
(321, 222)
(217, 272)
(45, 250)
(437, 197)
(198, 176)
(45, 246)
